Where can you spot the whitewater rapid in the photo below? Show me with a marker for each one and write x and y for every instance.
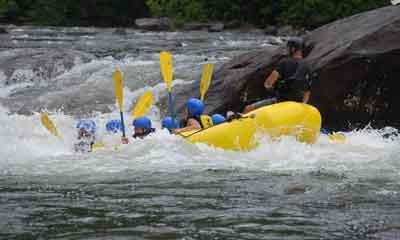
(163, 187)
(87, 89)
(28, 149)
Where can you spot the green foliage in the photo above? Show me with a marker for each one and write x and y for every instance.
(305, 13)
(313, 13)
(73, 12)
(52, 12)
(180, 10)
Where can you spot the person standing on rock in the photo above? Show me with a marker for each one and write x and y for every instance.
(290, 80)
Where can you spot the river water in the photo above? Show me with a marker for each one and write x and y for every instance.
(163, 187)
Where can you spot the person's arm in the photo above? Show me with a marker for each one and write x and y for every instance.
(306, 96)
(192, 125)
(271, 80)
(308, 84)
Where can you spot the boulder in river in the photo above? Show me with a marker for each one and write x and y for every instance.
(154, 24)
(234, 24)
(3, 31)
(271, 30)
(120, 31)
(217, 27)
(296, 189)
(196, 26)
(286, 31)
(356, 60)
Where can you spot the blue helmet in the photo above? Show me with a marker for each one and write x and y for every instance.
(170, 123)
(114, 126)
(195, 107)
(142, 122)
(218, 119)
(87, 125)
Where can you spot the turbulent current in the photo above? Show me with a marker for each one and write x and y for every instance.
(163, 187)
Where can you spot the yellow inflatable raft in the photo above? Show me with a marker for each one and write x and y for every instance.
(287, 118)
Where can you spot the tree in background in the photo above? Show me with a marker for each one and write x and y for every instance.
(304, 13)
(256, 12)
(180, 10)
(314, 13)
(73, 12)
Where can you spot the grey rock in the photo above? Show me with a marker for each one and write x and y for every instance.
(218, 27)
(356, 61)
(154, 24)
(271, 30)
(196, 26)
(120, 31)
(232, 24)
(286, 31)
(296, 189)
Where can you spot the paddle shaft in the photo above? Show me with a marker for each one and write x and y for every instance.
(171, 107)
(123, 124)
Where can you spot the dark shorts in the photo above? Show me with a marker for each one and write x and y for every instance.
(263, 103)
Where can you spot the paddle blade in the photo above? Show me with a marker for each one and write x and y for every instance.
(145, 101)
(167, 69)
(119, 89)
(48, 124)
(337, 138)
(206, 80)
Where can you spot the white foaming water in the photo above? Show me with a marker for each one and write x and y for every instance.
(28, 149)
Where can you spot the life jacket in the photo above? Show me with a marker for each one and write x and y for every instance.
(205, 121)
(284, 84)
(85, 144)
(290, 88)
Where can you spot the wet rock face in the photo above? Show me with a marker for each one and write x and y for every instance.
(357, 61)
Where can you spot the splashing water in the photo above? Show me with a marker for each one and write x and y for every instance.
(28, 149)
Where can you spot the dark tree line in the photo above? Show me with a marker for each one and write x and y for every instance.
(305, 13)
(73, 12)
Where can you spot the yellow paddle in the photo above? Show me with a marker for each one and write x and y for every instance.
(337, 137)
(145, 101)
(48, 124)
(206, 80)
(168, 75)
(119, 94)
(167, 69)
(334, 137)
